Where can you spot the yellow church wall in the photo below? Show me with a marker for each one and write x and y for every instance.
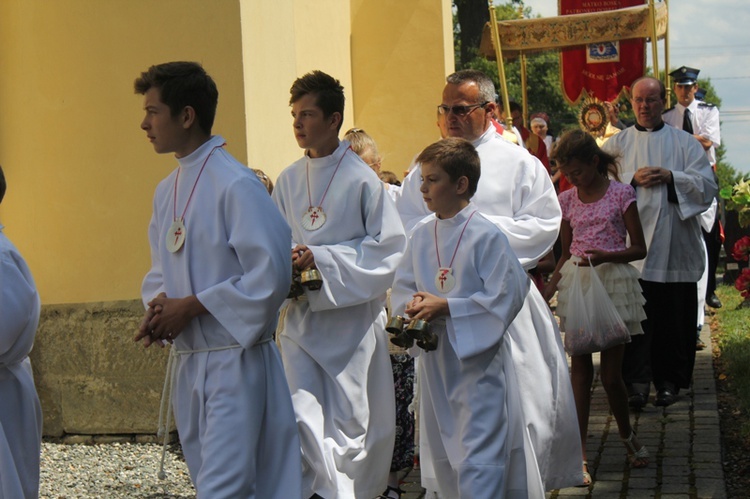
(282, 41)
(391, 57)
(81, 173)
(401, 53)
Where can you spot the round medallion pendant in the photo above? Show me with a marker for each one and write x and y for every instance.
(176, 236)
(444, 280)
(313, 219)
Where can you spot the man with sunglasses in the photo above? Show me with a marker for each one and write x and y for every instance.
(516, 194)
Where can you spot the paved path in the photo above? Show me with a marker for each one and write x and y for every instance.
(683, 439)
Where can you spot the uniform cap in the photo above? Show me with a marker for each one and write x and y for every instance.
(685, 75)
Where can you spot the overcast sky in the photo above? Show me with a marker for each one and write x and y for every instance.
(713, 36)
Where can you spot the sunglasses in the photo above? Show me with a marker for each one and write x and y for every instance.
(459, 111)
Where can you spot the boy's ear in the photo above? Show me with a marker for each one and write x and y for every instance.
(336, 119)
(462, 185)
(188, 117)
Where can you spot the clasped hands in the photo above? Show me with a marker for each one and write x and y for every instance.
(165, 318)
(650, 176)
(427, 307)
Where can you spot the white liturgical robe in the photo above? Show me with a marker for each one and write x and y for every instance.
(481, 434)
(20, 411)
(333, 341)
(232, 403)
(672, 229)
(515, 192)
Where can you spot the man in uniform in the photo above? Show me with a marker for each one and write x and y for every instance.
(674, 184)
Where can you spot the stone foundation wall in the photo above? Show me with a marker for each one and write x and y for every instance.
(90, 375)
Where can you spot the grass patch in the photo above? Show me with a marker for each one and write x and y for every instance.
(732, 326)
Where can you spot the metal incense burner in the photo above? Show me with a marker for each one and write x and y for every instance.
(417, 330)
(395, 326)
(311, 279)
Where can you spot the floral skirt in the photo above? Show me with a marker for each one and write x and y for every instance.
(621, 282)
(403, 383)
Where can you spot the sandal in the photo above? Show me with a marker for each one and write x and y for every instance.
(637, 458)
(586, 476)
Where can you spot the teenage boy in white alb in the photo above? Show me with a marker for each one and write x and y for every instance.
(333, 341)
(220, 269)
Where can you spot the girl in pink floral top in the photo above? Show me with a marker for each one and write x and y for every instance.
(597, 215)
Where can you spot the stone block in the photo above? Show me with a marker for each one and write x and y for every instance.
(90, 375)
(106, 406)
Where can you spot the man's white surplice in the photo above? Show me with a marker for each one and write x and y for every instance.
(232, 403)
(333, 340)
(672, 229)
(514, 192)
(20, 410)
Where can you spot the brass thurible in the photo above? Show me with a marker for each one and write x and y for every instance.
(419, 330)
(395, 326)
(311, 279)
(404, 334)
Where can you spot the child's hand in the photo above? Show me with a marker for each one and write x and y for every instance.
(597, 257)
(415, 299)
(549, 291)
(302, 257)
(427, 307)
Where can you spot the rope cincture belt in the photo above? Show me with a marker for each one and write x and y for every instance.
(166, 394)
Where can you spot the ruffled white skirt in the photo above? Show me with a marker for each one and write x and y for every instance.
(621, 282)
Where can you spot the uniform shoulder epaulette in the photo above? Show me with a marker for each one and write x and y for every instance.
(705, 104)
(667, 110)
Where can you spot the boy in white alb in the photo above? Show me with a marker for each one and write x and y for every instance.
(333, 341)
(20, 410)
(461, 276)
(220, 271)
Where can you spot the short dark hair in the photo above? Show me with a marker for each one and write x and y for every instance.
(3, 185)
(329, 93)
(580, 145)
(457, 157)
(183, 84)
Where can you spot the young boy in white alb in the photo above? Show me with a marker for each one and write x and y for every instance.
(461, 276)
(220, 270)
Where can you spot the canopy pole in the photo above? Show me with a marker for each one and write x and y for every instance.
(654, 48)
(666, 58)
(500, 66)
(524, 93)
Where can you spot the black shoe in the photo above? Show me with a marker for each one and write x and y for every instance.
(665, 397)
(637, 401)
(713, 301)
(699, 345)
